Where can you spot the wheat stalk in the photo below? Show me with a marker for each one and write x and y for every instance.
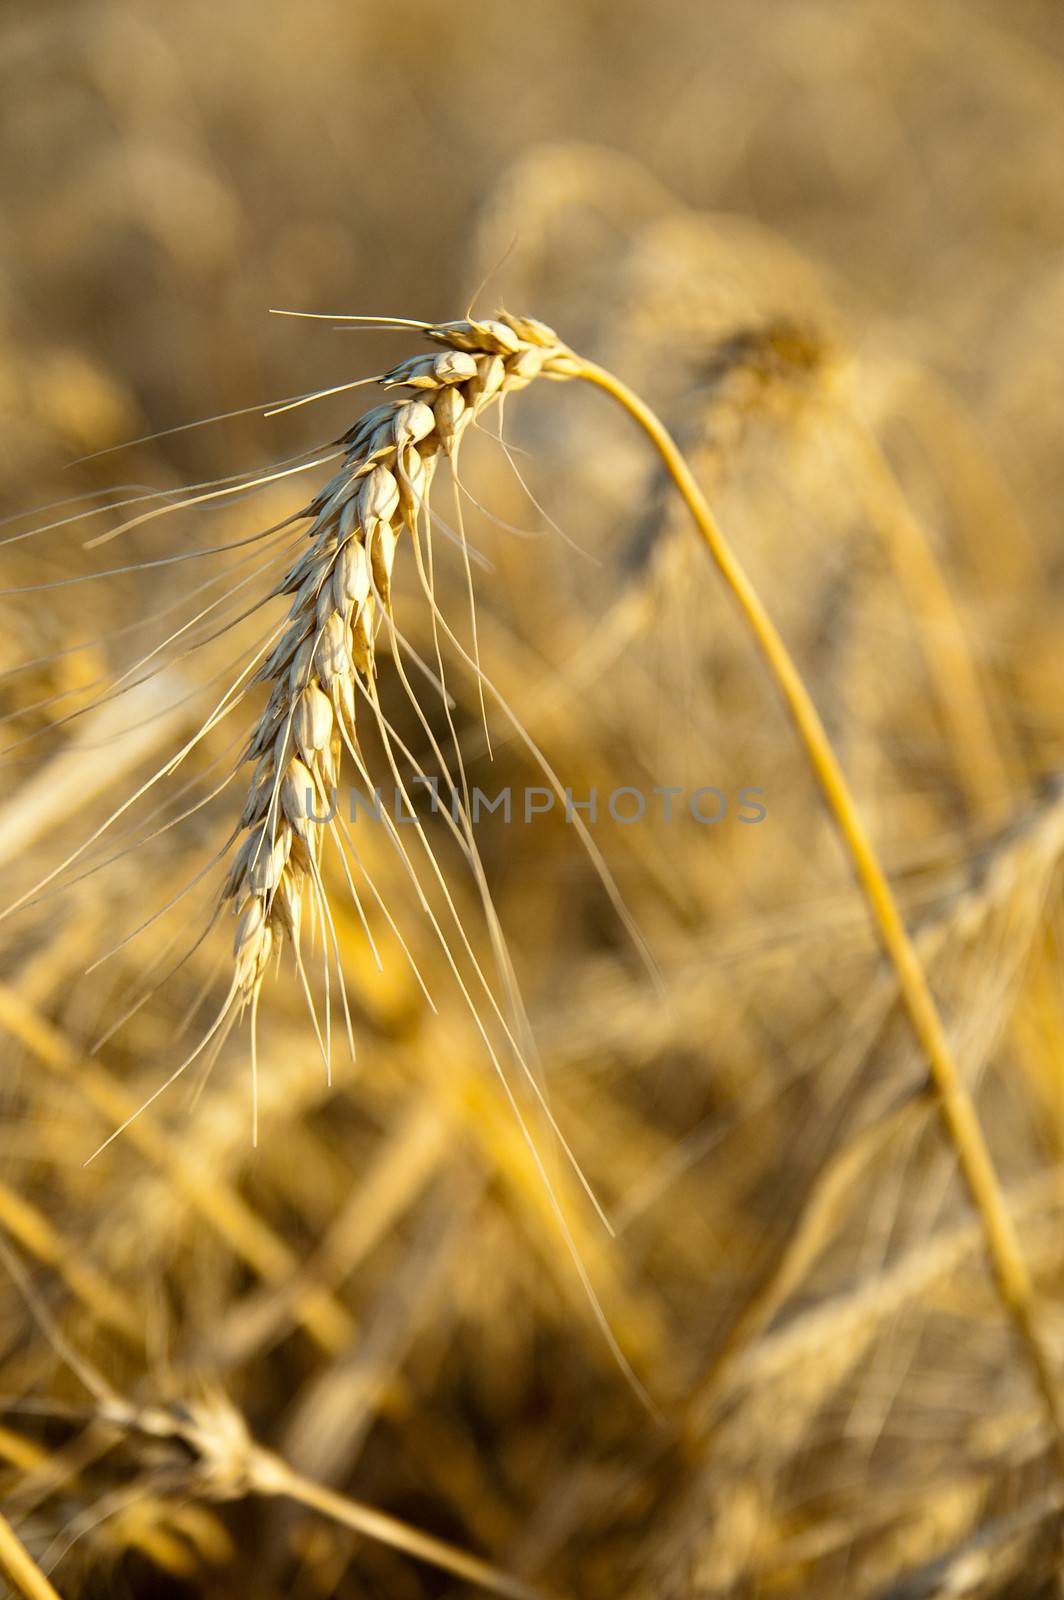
(16, 1560)
(325, 660)
(955, 1105)
(229, 1464)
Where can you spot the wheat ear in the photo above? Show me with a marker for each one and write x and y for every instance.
(955, 1105)
(341, 587)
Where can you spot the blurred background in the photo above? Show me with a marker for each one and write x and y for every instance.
(827, 241)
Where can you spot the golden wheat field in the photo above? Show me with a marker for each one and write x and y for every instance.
(532, 806)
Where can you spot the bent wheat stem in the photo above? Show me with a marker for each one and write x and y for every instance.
(955, 1105)
(324, 654)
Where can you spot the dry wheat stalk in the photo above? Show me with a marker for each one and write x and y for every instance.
(220, 1460)
(20, 1566)
(341, 594)
(959, 1117)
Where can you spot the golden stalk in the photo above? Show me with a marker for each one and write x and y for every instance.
(955, 1105)
(20, 1566)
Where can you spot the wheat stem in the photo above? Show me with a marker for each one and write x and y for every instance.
(954, 1102)
(20, 1566)
(271, 1475)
